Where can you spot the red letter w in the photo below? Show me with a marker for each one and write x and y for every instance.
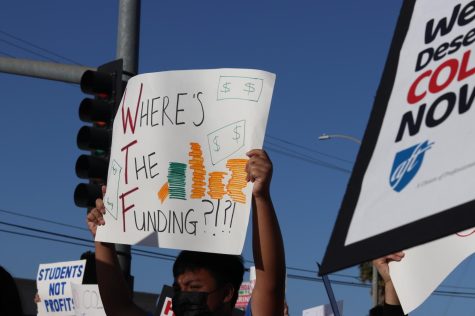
(128, 117)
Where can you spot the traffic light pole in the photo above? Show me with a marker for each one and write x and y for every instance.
(127, 48)
(43, 69)
(128, 32)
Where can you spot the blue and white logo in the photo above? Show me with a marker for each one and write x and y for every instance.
(406, 165)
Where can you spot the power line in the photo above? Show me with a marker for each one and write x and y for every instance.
(46, 238)
(173, 257)
(28, 50)
(39, 47)
(141, 251)
(303, 155)
(307, 159)
(43, 220)
(309, 149)
(154, 255)
(7, 54)
(77, 238)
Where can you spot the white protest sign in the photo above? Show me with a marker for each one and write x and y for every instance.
(177, 174)
(164, 304)
(167, 307)
(54, 286)
(87, 300)
(323, 310)
(416, 168)
(425, 267)
(421, 148)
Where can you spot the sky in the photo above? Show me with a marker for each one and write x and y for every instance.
(328, 57)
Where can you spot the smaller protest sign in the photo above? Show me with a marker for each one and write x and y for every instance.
(244, 297)
(87, 300)
(414, 279)
(54, 286)
(164, 305)
(252, 276)
(177, 172)
(322, 310)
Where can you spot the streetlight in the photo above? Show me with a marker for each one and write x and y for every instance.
(374, 282)
(330, 136)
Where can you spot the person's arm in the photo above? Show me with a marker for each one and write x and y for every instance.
(115, 294)
(268, 248)
(392, 306)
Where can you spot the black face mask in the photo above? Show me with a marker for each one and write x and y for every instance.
(190, 304)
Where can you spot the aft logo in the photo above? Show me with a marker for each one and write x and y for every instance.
(406, 165)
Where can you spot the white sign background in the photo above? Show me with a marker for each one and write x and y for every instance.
(87, 300)
(424, 267)
(322, 310)
(446, 177)
(54, 286)
(176, 176)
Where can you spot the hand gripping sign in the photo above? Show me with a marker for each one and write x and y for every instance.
(177, 174)
(414, 177)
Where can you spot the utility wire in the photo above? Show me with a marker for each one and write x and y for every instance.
(458, 294)
(28, 50)
(171, 257)
(39, 47)
(136, 252)
(7, 54)
(43, 220)
(309, 149)
(306, 159)
(84, 229)
(302, 155)
(76, 238)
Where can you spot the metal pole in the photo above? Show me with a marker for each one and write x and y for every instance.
(128, 32)
(43, 69)
(374, 279)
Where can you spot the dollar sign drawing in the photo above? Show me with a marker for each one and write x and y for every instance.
(249, 87)
(236, 133)
(225, 87)
(215, 141)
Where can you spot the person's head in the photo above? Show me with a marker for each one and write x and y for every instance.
(90, 269)
(10, 302)
(218, 275)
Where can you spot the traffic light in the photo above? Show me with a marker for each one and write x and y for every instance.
(106, 86)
